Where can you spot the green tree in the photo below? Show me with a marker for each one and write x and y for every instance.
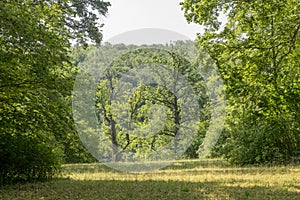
(36, 81)
(257, 54)
(129, 125)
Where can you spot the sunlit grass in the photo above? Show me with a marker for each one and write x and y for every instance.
(189, 179)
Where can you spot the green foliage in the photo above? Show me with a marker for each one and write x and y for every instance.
(36, 127)
(144, 133)
(257, 54)
(83, 19)
(25, 157)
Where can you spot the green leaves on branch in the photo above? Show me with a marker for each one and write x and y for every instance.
(257, 53)
(36, 78)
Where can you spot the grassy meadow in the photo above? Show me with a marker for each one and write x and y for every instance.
(185, 179)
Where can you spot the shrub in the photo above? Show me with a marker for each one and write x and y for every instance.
(262, 143)
(27, 158)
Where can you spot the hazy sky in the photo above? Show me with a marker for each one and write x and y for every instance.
(128, 15)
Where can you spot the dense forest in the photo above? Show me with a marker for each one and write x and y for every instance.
(153, 102)
(46, 44)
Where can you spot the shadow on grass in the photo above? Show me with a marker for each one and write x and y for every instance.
(186, 166)
(150, 189)
(158, 185)
(83, 168)
(177, 165)
(203, 163)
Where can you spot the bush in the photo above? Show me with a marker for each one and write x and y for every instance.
(262, 143)
(27, 158)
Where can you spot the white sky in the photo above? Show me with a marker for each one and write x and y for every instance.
(128, 15)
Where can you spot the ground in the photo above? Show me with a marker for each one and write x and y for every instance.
(185, 179)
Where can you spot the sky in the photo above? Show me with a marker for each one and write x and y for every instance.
(129, 15)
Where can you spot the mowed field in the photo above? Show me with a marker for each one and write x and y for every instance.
(185, 179)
